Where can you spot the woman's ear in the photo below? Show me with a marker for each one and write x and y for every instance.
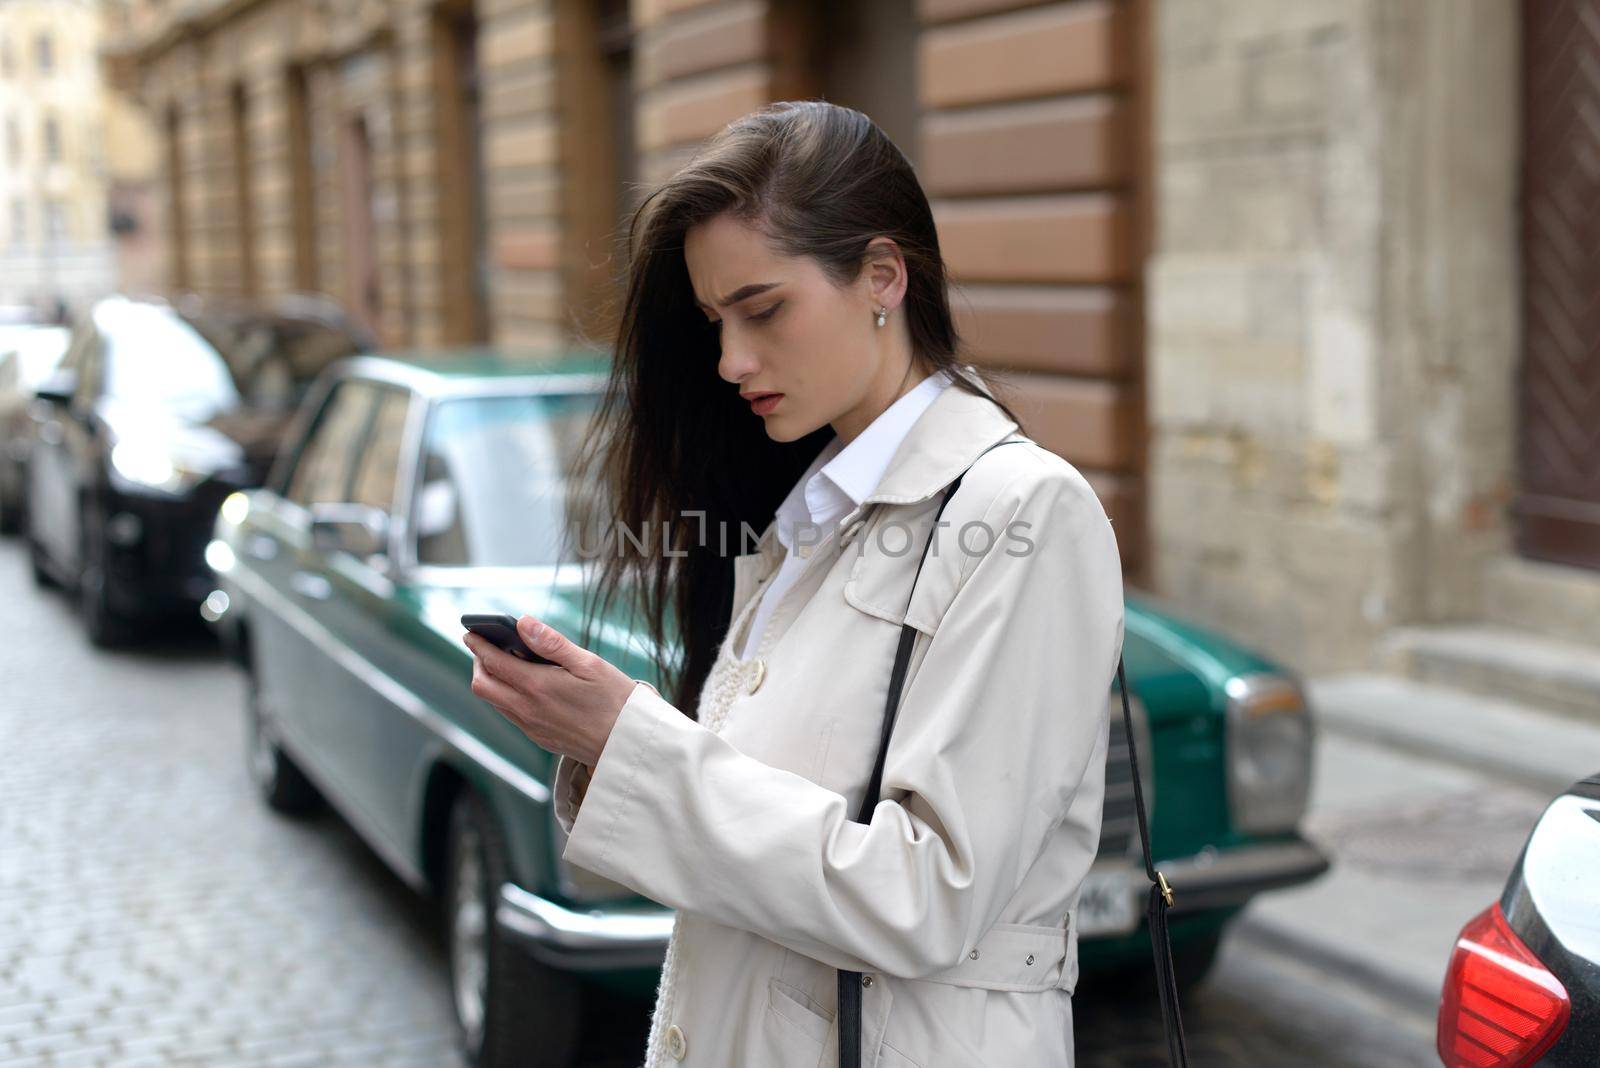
(886, 273)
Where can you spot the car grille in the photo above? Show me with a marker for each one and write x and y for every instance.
(1119, 826)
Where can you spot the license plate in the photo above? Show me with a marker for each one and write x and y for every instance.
(1108, 904)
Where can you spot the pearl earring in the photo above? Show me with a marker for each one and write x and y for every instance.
(883, 315)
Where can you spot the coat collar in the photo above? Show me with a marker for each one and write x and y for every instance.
(941, 444)
(944, 441)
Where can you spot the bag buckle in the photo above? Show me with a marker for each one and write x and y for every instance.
(1166, 891)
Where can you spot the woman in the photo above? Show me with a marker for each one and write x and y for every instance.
(796, 255)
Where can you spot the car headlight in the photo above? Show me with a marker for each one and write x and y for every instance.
(1269, 753)
(150, 464)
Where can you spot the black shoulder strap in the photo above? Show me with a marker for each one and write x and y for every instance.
(849, 1007)
(902, 655)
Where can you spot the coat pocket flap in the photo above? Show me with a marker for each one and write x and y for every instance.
(888, 552)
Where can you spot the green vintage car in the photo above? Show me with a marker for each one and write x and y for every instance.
(414, 490)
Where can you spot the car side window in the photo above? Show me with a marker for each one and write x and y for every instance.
(379, 464)
(322, 473)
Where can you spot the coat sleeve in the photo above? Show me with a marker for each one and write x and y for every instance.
(993, 738)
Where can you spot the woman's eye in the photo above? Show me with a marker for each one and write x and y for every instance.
(769, 313)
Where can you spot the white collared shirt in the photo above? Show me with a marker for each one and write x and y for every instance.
(839, 479)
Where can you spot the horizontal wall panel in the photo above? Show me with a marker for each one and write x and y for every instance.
(722, 37)
(523, 145)
(1091, 423)
(1034, 328)
(1062, 48)
(506, 42)
(528, 249)
(1071, 143)
(647, 12)
(693, 111)
(1072, 238)
(931, 11)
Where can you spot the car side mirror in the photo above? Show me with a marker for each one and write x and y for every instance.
(59, 388)
(358, 529)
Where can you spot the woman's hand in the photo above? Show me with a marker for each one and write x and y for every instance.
(568, 707)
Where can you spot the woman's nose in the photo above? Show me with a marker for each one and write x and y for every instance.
(735, 365)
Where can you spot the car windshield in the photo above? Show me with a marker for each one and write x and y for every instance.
(494, 480)
(155, 358)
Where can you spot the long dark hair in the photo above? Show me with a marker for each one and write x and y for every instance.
(676, 457)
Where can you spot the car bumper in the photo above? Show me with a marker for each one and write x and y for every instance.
(602, 939)
(598, 939)
(157, 550)
(1222, 878)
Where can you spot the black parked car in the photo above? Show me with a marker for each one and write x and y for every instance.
(1523, 986)
(137, 438)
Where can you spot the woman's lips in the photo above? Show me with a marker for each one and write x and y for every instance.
(764, 404)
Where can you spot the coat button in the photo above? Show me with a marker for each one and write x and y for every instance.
(760, 674)
(866, 980)
(677, 1045)
(973, 954)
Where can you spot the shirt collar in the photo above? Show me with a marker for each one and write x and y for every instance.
(841, 475)
(941, 443)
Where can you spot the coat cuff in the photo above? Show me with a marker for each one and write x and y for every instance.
(572, 783)
(609, 793)
(572, 780)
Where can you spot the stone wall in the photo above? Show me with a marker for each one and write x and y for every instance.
(1332, 314)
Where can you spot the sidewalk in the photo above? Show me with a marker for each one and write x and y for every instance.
(1423, 796)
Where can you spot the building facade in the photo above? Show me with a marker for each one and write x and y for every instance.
(54, 170)
(1257, 267)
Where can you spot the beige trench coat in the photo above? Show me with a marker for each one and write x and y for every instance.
(959, 899)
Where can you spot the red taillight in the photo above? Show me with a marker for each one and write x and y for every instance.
(1501, 1006)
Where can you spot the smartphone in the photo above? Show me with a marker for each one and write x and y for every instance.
(501, 629)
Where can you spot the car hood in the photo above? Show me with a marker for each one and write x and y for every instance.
(242, 439)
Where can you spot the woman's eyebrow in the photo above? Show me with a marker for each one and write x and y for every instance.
(744, 293)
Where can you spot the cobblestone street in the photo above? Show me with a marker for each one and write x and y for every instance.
(154, 912)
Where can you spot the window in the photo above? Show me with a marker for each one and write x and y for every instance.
(19, 221)
(8, 58)
(322, 472)
(46, 51)
(495, 478)
(380, 453)
(14, 141)
(52, 139)
(55, 222)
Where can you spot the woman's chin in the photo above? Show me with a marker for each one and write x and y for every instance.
(781, 428)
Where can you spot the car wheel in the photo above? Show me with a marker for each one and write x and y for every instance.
(281, 783)
(10, 513)
(42, 577)
(106, 628)
(510, 1009)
